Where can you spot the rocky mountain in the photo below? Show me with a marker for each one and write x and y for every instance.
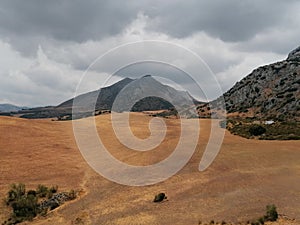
(139, 96)
(130, 94)
(103, 97)
(270, 91)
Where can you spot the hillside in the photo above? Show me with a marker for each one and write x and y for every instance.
(10, 108)
(142, 94)
(103, 97)
(269, 92)
(245, 177)
(140, 91)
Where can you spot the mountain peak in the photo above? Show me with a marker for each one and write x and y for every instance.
(147, 75)
(294, 55)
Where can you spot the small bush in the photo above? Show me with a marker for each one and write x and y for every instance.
(25, 205)
(49, 195)
(31, 192)
(53, 189)
(42, 191)
(261, 220)
(16, 192)
(159, 197)
(257, 130)
(72, 194)
(271, 214)
(255, 223)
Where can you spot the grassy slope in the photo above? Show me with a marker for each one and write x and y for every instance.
(246, 175)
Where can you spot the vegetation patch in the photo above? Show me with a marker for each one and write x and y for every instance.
(160, 197)
(271, 215)
(253, 128)
(26, 205)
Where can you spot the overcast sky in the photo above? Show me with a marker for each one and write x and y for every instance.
(45, 46)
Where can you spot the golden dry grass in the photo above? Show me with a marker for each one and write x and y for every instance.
(245, 177)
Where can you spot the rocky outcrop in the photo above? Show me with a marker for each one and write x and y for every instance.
(294, 55)
(55, 201)
(271, 91)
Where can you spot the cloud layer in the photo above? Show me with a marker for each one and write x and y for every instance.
(45, 47)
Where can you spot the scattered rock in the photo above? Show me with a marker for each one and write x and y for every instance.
(55, 201)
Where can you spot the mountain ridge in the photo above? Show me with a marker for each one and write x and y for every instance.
(269, 92)
(5, 107)
(94, 102)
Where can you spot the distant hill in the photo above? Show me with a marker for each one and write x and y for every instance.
(270, 91)
(10, 108)
(132, 91)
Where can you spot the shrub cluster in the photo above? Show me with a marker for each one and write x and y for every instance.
(287, 130)
(26, 204)
(256, 130)
(271, 215)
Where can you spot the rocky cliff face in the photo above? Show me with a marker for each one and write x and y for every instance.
(271, 91)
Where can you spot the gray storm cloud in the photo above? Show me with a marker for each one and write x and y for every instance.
(233, 37)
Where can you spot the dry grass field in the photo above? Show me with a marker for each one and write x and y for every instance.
(245, 177)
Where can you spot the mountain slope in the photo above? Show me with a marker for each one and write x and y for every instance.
(104, 96)
(10, 108)
(139, 91)
(146, 93)
(270, 91)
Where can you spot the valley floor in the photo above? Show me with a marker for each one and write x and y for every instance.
(246, 176)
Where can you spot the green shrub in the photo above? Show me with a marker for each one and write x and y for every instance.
(49, 195)
(16, 192)
(53, 189)
(42, 191)
(159, 197)
(271, 213)
(261, 220)
(31, 192)
(255, 223)
(257, 130)
(25, 205)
